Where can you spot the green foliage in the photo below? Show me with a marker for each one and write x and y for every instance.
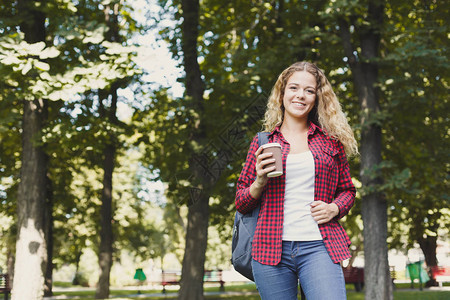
(415, 84)
(242, 47)
(78, 64)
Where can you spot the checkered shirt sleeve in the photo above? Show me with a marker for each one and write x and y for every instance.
(244, 200)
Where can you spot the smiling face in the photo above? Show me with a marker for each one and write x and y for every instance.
(299, 95)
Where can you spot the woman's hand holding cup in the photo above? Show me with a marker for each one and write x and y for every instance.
(265, 164)
(262, 160)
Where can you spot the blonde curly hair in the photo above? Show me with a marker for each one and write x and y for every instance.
(327, 112)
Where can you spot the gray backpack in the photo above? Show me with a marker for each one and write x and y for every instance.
(243, 231)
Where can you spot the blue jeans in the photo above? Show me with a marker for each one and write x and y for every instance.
(307, 262)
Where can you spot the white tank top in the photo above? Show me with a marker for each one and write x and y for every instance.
(298, 224)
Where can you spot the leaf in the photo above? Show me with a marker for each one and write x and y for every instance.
(41, 65)
(96, 36)
(36, 48)
(26, 68)
(45, 76)
(49, 53)
(10, 60)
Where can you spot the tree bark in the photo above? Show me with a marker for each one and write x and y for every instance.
(374, 207)
(76, 278)
(48, 285)
(428, 245)
(10, 259)
(191, 286)
(106, 234)
(105, 255)
(31, 247)
(195, 249)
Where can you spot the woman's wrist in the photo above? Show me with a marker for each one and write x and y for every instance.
(256, 189)
(335, 209)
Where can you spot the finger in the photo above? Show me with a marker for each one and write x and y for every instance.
(314, 204)
(263, 172)
(258, 152)
(263, 166)
(317, 202)
(318, 219)
(316, 212)
(264, 156)
(267, 161)
(260, 165)
(317, 208)
(321, 219)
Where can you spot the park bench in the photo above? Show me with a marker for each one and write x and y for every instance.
(354, 275)
(174, 277)
(4, 285)
(440, 274)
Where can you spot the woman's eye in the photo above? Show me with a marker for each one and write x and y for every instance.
(311, 91)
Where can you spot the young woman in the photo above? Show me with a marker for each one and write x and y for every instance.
(298, 236)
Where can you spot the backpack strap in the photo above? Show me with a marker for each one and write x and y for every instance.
(263, 138)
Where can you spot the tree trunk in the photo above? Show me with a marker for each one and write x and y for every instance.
(428, 246)
(10, 259)
(374, 207)
(106, 233)
(195, 249)
(105, 255)
(76, 279)
(374, 214)
(31, 248)
(198, 210)
(49, 238)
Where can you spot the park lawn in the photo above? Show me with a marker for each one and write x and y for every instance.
(399, 295)
(250, 290)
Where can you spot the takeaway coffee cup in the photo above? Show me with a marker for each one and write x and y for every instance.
(275, 149)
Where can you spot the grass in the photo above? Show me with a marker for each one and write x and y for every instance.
(403, 292)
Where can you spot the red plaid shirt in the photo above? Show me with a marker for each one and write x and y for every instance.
(332, 184)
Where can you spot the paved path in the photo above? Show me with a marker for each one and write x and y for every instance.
(145, 295)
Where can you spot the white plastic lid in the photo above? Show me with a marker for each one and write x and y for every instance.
(271, 145)
(274, 174)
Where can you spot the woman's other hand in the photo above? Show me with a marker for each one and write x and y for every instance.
(323, 212)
